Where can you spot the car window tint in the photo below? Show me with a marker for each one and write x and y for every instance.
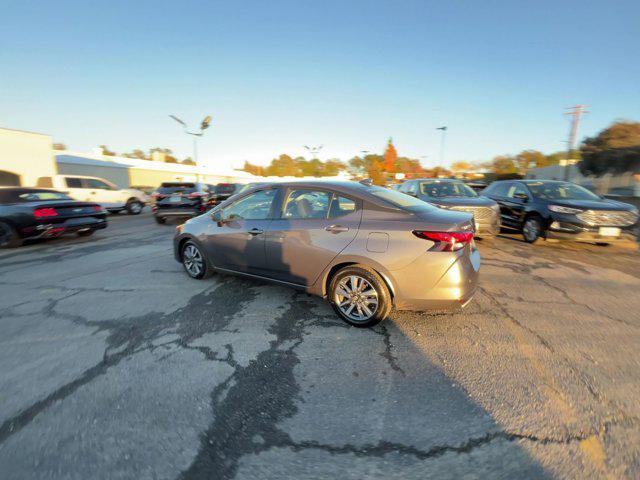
(341, 206)
(256, 206)
(498, 189)
(94, 183)
(304, 204)
(516, 188)
(73, 182)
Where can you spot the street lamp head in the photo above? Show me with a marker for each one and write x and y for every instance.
(205, 123)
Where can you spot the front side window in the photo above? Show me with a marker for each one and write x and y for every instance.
(561, 191)
(516, 190)
(305, 204)
(256, 206)
(73, 182)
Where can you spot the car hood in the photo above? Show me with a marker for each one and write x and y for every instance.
(592, 204)
(461, 201)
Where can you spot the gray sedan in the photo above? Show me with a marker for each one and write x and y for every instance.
(364, 248)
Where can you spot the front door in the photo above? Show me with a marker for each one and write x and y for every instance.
(314, 226)
(102, 193)
(238, 243)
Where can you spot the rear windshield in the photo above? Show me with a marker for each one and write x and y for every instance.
(18, 196)
(187, 187)
(400, 200)
(225, 188)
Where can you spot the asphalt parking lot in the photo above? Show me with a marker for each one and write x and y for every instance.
(114, 364)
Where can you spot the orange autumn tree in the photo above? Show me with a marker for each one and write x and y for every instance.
(390, 157)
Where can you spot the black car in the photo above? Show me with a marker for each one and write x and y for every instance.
(180, 199)
(453, 194)
(30, 213)
(221, 192)
(563, 210)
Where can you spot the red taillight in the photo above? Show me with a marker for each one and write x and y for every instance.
(446, 241)
(157, 196)
(98, 209)
(45, 212)
(196, 195)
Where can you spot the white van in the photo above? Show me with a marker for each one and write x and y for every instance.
(98, 190)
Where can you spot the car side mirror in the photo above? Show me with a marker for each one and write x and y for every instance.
(218, 217)
(521, 196)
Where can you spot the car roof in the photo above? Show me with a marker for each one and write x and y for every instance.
(443, 180)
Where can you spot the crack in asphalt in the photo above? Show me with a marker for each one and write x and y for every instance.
(207, 312)
(388, 354)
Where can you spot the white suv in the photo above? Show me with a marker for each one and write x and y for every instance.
(98, 190)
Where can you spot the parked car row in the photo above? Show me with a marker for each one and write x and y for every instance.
(536, 208)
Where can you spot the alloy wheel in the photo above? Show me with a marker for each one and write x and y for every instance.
(531, 229)
(192, 260)
(136, 207)
(356, 298)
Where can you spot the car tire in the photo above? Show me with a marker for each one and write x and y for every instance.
(160, 220)
(134, 207)
(9, 237)
(194, 261)
(532, 228)
(369, 309)
(86, 233)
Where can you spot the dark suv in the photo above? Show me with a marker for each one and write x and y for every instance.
(453, 194)
(180, 199)
(563, 210)
(221, 191)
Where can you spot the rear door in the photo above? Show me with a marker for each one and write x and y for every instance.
(238, 244)
(311, 228)
(75, 189)
(102, 193)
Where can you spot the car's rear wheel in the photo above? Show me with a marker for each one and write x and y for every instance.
(532, 228)
(359, 296)
(134, 207)
(160, 220)
(194, 261)
(9, 237)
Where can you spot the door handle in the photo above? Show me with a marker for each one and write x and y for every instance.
(336, 229)
(255, 231)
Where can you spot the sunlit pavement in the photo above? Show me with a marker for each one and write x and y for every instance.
(114, 364)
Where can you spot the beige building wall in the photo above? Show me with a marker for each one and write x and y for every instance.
(26, 154)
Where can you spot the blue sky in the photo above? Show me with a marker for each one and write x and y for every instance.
(276, 75)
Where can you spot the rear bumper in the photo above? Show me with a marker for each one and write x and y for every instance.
(453, 290)
(72, 225)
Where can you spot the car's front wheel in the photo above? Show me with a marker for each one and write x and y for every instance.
(532, 228)
(359, 296)
(194, 261)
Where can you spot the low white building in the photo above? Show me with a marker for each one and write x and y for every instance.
(24, 157)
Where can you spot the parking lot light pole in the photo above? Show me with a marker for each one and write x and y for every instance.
(203, 126)
(314, 151)
(443, 140)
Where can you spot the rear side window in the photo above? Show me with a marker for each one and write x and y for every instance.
(178, 187)
(73, 182)
(341, 206)
(44, 182)
(305, 204)
(97, 184)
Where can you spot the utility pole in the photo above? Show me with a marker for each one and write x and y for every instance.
(443, 140)
(575, 113)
